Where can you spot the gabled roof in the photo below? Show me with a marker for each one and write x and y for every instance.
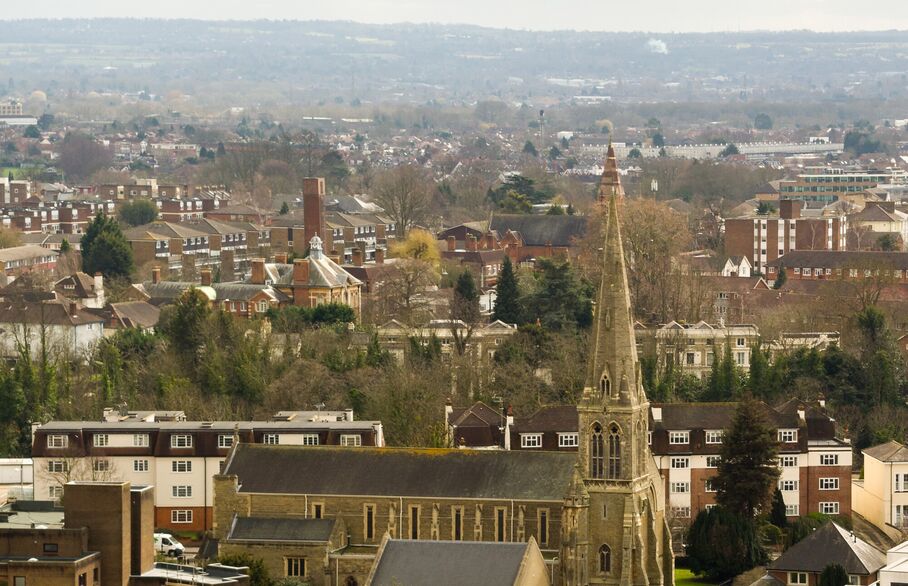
(157, 229)
(47, 313)
(541, 230)
(849, 259)
(83, 286)
(281, 529)
(891, 451)
(449, 563)
(831, 544)
(136, 314)
(555, 418)
(479, 412)
(413, 472)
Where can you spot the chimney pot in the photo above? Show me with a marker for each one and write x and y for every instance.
(452, 243)
(472, 244)
(280, 258)
(301, 271)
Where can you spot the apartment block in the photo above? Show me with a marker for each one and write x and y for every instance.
(695, 347)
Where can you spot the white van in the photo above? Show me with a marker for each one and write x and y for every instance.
(168, 545)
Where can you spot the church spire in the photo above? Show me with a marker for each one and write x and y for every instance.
(613, 365)
(610, 184)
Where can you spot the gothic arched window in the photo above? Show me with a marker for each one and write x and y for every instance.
(605, 386)
(614, 452)
(605, 559)
(596, 452)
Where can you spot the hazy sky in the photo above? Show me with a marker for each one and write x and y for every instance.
(610, 15)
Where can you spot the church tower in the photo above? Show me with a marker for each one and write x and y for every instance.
(628, 541)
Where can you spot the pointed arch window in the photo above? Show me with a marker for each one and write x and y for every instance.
(605, 559)
(596, 452)
(614, 452)
(605, 386)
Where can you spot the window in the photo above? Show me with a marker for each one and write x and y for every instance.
(181, 516)
(713, 461)
(788, 485)
(797, 578)
(457, 523)
(225, 440)
(597, 459)
(501, 525)
(680, 487)
(678, 437)
(262, 306)
(140, 465)
(901, 483)
(181, 440)
(270, 439)
(710, 485)
(680, 462)
(140, 440)
(829, 483)
(681, 512)
(295, 566)
(605, 559)
(414, 522)
(100, 440)
(713, 436)
(788, 461)
(19, 581)
(568, 440)
(317, 510)
(614, 452)
(181, 466)
(369, 520)
(531, 440)
(791, 510)
(788, 436)
(829, 508)
(310, 439)
(740, 358)
(853, 580)
(689, 358)
(353, 441)
(797, 271)
(741, 342)
(101, 465)
(51, 548)
(57, 441)
(55, 492)
(58, 466)
(542, 526)
(829, 459)
(181, 491)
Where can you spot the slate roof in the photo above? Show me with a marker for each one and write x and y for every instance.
(556, 418)
(711, 416)
(847, 259)
(136, 314)
(891, 451)
(48, 313)
(84, 285)
(831, 544)
(448, 563)
(25, 252)
(440, 473)
(541, 230)
(283, 529)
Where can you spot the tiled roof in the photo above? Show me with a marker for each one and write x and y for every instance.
(847, 259)
(541, 230)
(831, 544)
(280, 529)
(891, 451)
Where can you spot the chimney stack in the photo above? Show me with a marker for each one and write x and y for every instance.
(379, 256)
(490, 241)
(452, 243)
(205, 277)
(156, 275)
(99, 283)
(301, 271)
(472, 244)
(314, 208)
(280, 258)
(789, 209)
(258, 271)
(358, 257)
(73, 308)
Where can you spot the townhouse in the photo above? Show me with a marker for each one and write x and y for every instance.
(825, 265)
(177, 456)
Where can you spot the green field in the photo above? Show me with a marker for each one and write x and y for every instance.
(684, 577)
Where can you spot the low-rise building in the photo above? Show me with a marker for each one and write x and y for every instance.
(827, 265)
(881, 496)
(694, 348)
(484, 341)
(44, 325)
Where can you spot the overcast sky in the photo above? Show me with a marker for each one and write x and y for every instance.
(606, 15)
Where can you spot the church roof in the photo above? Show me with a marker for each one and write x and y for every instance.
(281, 529)
(541, 230)
(394, 472)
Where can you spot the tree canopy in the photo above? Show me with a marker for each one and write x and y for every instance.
(138, 212)
(105, 249)
(507, 295)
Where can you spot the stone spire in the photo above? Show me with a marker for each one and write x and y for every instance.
(610, 184)
(614, 375)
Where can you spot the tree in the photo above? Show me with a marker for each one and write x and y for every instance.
(781, 278)
(861, 143)
(554, 153)
(765, 208)
(258, 573)
(777, 515)
(285, 209)
(81, 156)
(634, 153)
(530, 149)
(418, 245)
(559, 300)
(9, 238)
(834, 575)
(507, 295)
(762, 121)
(138, 212)
(721, 544)
(730, 150)
(65, 246)
(404, 194)
(105, 249)
(464, 308)
(887, 242)
(183, 323)
(748, 468)
(32, 132)
(658, 140)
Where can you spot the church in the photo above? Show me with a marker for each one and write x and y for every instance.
(597, 515)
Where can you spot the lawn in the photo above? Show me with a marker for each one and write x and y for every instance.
(684, 577)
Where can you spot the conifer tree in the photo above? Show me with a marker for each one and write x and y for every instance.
(507, 299)
(105, 249)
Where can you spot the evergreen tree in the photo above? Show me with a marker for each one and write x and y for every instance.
(758, 379)
(780, 280)
(721, 544)
(65, 246)
(183, 323)
(748, 468)
(530, 149)
(105, 249)
(833, 575)
(465, 308)
(138, 212)
(507, 299)
(777, 515)
(285, 209)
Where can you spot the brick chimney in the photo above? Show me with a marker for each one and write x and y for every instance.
(280, 258)
(490, 241)
(379, 256)
(99, 283)
(258, 271)
(73, 308)
(358, 257)
(314, 208)
(156, 275)
(789, 209)
(301, 271)
(472, 244)
(205, 277)
(452, 243)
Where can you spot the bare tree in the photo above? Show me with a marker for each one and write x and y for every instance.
(402, 292)
(405, 194)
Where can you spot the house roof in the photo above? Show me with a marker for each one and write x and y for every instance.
(24, 252)
(282, 529)
(476, 414)
(891, 451)
(448, 563)
(47, 313)
(136, 314)
(445, 473)
(83, 285)
(554, 418)
(710, 416)
(850, 259)
(541, 230)
(158, 229)
(831, 544)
